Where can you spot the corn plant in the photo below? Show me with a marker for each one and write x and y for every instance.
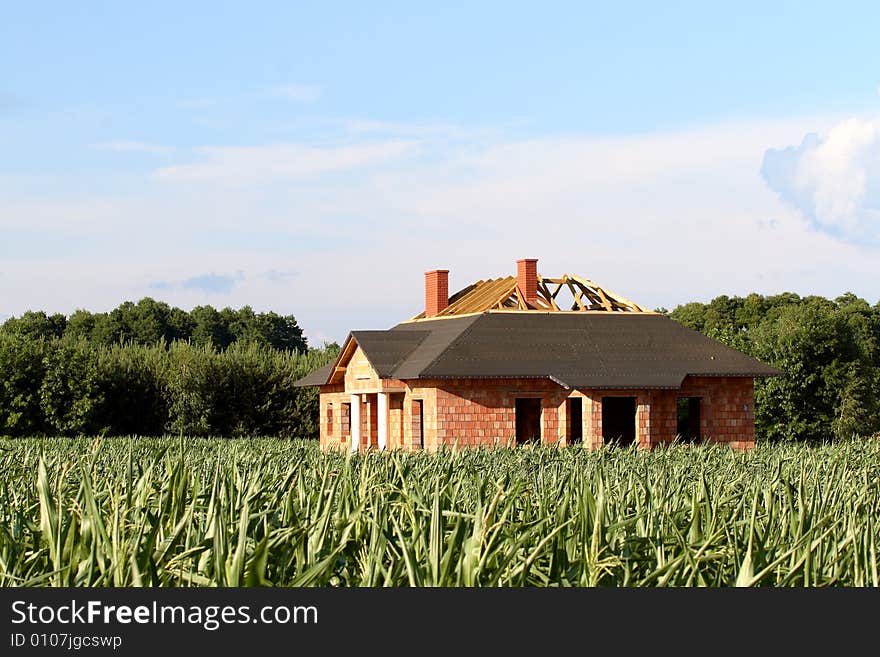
(273, 512)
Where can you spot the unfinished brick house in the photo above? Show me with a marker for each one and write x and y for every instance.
(507, 361)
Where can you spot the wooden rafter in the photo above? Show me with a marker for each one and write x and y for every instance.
(503, 294)
(549, 298)
(345, 354)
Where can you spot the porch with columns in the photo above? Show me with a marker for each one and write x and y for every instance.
(376, 420)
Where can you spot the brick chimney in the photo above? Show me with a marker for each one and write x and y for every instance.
(527, 279)
(436, 291)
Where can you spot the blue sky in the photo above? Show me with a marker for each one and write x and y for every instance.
(281, 155)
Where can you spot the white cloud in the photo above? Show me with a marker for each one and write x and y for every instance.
(663, 219)
(834, 180)
(254, 164)
(124, 146)
(301, 93)
(84, 215)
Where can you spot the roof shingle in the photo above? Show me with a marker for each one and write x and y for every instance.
(577, 350)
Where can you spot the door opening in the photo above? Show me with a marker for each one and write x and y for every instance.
(619, 420)
(575, 425)
(528, 419)
(688, 419)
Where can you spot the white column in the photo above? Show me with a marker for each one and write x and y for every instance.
(355, 422)
(383, 419)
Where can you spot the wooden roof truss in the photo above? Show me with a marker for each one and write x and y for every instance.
(585, 295)
(564, 294)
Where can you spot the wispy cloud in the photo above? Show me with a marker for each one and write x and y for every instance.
(301, 93)
(124, 146)
(82, 214)
(209, 283)
(213, 283)
(279, 275)
(250, 164)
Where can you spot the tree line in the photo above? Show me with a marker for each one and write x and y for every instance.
(148, 322)
(148, 369)
(72, 386)
(828, 351)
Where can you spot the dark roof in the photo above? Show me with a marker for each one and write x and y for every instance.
(317, 378)
(577, 350)
(443, 334)
(386, 349)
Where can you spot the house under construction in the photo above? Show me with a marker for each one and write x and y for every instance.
(516, 359)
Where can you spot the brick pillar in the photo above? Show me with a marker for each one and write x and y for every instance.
(527, 279)
(593, 422)
(436, 291)
(644, 436)
(563, 412)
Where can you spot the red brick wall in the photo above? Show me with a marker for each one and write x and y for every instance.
(360, 375)
(727, 410)
(427, 393)
(482, 412)
(332, 436)
(395, 421)
(365, 421)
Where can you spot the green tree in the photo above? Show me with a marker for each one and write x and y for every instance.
(133, 389)
(146, 322)
(22, 369)
(240, 323)
(828, 352)
(269, 329)
(692, 315)
(826, 379)
(36, 324)
(280, 332)
(209, 328)
(179, 325)
(191, 386)
(70, 394)
(81, 324)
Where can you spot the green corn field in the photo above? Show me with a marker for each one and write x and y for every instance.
(272, 512)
